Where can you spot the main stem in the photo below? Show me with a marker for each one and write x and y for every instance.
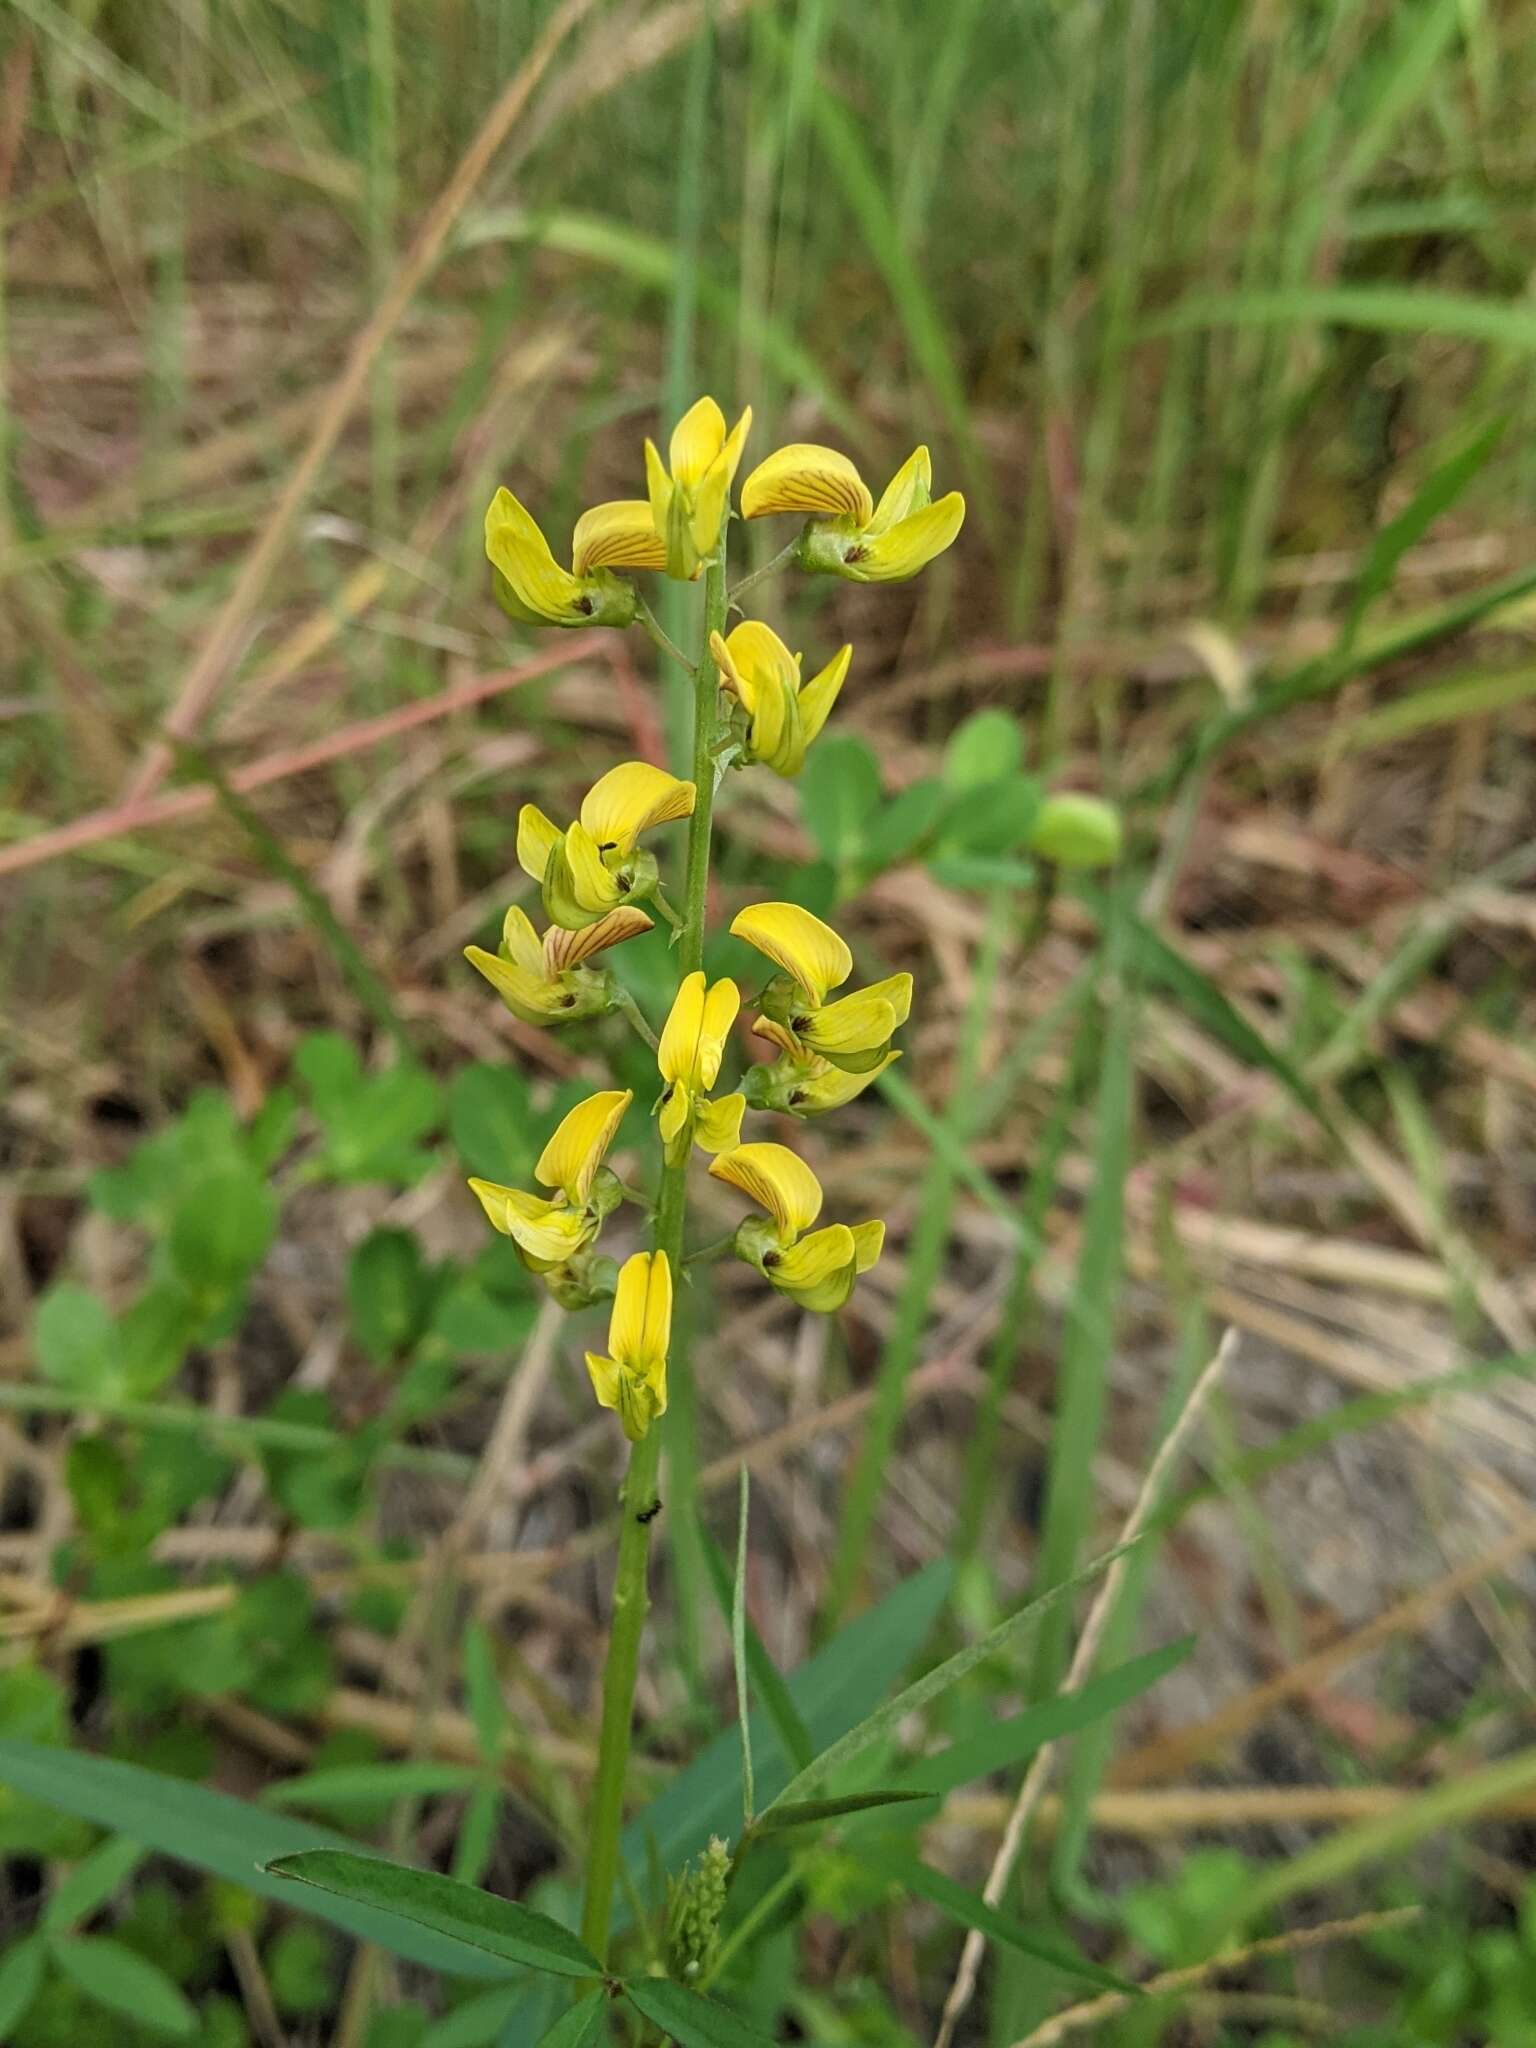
(631, 1598)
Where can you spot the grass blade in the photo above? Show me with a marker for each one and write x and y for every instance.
(739, 1650)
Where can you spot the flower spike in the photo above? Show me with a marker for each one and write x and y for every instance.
(689, 503)
(532, 587)
(847, 534)
(632, 1377)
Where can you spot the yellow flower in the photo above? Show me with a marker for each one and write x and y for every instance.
(785, 714)
(632, 1378)
(692, 1047)
(548, 1232)
(816, 1268)
(847, 533)
(688, 506)
(595, 865)
(544, 981)
(853, 1033)
(532, 587)
(806, 1087)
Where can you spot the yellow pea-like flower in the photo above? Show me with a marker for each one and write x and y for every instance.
(532, 587)
(847, 533)
(631, 1378)
(784, 714)
(855, 1031)
(545, 981)
(816, 1268)
(689, 501)
(805, 1087)
(692, 1046)
(550, 1230)
(596, 866)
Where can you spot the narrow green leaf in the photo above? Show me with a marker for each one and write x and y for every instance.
(122, 1981)
(91, 1883)
(478, 2021)
(804, 1813)
(1377, 309)
(767, 1681)
(885, 1718)
(739, 1649)
(577, 2027)
(226, 1837)
(371, 1784)
(501, 1927)
(21, 1977)
(1435, 495)
(691, 2021)
(1010, 1742)
(482, 1688)
(973, 1911)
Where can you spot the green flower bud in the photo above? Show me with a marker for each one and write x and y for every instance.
(1077, 832)
(695, 1903)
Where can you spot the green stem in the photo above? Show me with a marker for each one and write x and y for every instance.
(661, 639)
(631, 1596)
(769, 568)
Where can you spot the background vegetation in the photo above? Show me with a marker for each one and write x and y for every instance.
(1221, 316)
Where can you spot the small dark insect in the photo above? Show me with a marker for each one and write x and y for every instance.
(649, 1514)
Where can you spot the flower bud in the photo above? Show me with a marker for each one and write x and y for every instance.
(1077, 832)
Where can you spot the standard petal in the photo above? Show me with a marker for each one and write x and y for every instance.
(720, 1009)
(778, 1180)
(678, 1053)
(519, 550)
(819, 695)
(729, 458)
(529, 996)
(520, 942)
(910, 545)
(658, 487)
(537, 838)
(717, 1123)
(805, 477)
(908, 491)
(592, 883)
(629, 800)
(697, 439)
(818, 1272)
(564, 949)
(868, 1244)
(756, 652)
(640, 1326)
(809, 951)
(656, 1332)
(779, 1034)
(619, 535)
(859, 1023)
(571, 1158)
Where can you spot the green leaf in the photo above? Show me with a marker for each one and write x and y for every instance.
(842, 1682)
(580, 2025)
(972, 1911)
(840, 794)
(371, 1784)
(491, 1122)
(1378, 309)
(992, 819)
(1439, 491)
(987, 747)
(91, 1883)
(21, 1975)
(478, 2020)
(121, 1980)
(482, 1689)
(883, 1721)
(213, 1832)
(1010, 1742)
(389, 1293)
(804, 1813)
(982, 871)
(692, 2021)
(739, 1648)
(900, 825)
(76, 1340)
(1160, 965)
(220, 1230)
(499, 1926)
